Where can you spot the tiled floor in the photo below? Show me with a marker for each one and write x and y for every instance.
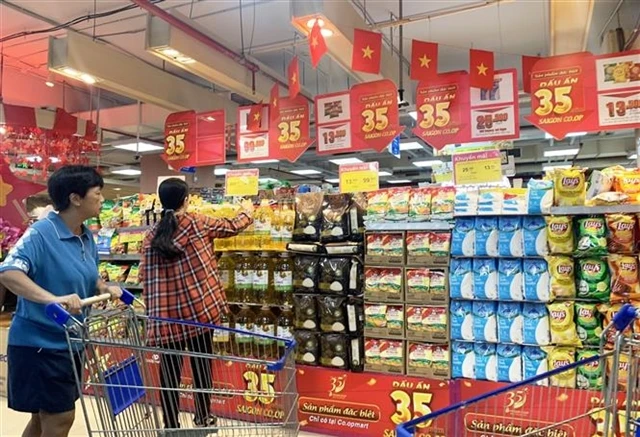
(12, 424)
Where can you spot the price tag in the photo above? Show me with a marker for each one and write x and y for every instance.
(241, 182)
(252, 146)
(333, 123)
(477, 167)
(494, 112)
(359, 178)
(618, 82)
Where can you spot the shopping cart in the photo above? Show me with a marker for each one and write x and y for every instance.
(548, 405)
(193, 388)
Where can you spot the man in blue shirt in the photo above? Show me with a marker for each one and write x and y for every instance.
(56, 260)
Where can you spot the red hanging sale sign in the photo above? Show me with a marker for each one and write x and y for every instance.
(494, 112)
(618, 86)
(563, 94)
(289, 133)
(194, 140)
(375, 119)
(333, 123)
(252, 146)
(442, 105)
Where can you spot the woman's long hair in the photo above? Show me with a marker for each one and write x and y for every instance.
(172, 192)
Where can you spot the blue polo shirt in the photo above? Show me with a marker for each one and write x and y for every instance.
(58, 261)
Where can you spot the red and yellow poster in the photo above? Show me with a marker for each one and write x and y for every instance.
(494, 112)
(333, 123)
(443, 110)
(194, 140)
(252, 146)
(563, 94)
(289, 133)
(618, 85)
(375, 119)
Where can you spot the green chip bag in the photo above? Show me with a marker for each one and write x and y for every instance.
(589, 324)
(593, 279)
(592, 236)
(589, 375)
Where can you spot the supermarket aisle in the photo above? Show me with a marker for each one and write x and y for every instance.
(12, 423)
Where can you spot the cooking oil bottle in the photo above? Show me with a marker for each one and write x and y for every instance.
(244, 321)
(284, 329)
(226, 271)
(283, 279)
(222, 338)
(288, 218)
(243, 278)
(276, 229)
(263, 289)
(263, 220)
(265, 324)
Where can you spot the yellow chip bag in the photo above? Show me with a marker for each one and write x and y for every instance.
(559, 357)
(560, 234)
(628, 182)
(563, 328)
(562, 272)
(569, 187)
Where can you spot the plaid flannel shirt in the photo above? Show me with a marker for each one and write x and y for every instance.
(188, 287)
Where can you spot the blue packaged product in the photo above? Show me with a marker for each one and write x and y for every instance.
(535, 322)
(485, 322)
(510, 323)
(486, 236)
(461, 320)
(510, 279)
(509, 363)
(534, 230)
(485, 278)
(534, 363)
(463, 237)
(463, 361)
(510, 237)
(537, 282)
(461, 278)
(486, 361)
(539, 196)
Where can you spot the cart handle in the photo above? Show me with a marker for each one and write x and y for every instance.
(59, 314)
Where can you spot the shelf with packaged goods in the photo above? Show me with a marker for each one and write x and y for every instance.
(131, 287)
(404, 226)
(255, 304)
(135, 257)
(598, 210)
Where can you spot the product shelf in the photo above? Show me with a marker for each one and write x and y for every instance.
(255, 304)
(130, 287)
(589, 210)
(120, 257)
(405, 226)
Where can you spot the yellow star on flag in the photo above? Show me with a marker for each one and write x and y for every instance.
(482, 70)
(275, 102)
(314, 42)
(5, 190)
(294, 78)
(367, 52)
(256, 116)
(424, 61)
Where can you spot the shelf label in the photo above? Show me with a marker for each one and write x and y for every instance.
(359, 178)
(241, 182)
(477, 167)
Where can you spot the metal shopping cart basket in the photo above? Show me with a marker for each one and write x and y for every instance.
(549, 405)
(129, 386)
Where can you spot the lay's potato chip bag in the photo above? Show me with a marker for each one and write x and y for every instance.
(622, 233)
(588, 322)
(560, 357)
(628, 182)
(563, 328)
(569, 187)
(560, 234)
(593, 279)
(562, 272)
(592, 233)
(625, 283)
(590, 375)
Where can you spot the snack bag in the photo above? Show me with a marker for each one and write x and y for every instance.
(593, 279)
(398, 204)
(463, 360)
(485, 280)
(509, 363)
(608, 311)
(592, 234)
(569, 187)
(420, 204)
(535, 236)
(534, 363)
(461, 320)
(562, 272)
(510, 322)
(418, 243)
(599, 182)
(535, 324)
(560, 235)
(486, 361)
(374, 244)
(539, 196)
(625, 283)
(510, 279)
(536, 280)
(393, 245)
(308, 223)
(440, 243)
(485, 323)
(510, 238)
(486, 236)
(560, 357)
(588, 323)
(437, 283)
(461, 278)
(563, 329)
(377, 204)
(442, 202)
(590, 376)
(622, 232)
(628, 182)
(463, 238)
(466, 203)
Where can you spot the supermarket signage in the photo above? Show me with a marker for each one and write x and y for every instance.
(477, 167)
(495, 112)
(241, 182)
(359, 178)
(252, 146)
(618, 90)
(194, 139)
(442, 173)
(289, 132)
(333, 123)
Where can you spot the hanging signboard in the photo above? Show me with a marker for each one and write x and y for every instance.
(333, 123)
(359, 178)
(618, 89)
(494, 112)
(241, 182)
(194, 139)
(252, 146)
(375, 119)
(477, 167)
(289, 133)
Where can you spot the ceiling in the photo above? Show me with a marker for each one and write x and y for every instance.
(262, 34)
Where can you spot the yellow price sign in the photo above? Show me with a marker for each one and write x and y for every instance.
(477, 167)
(241, 182)
(359, 178)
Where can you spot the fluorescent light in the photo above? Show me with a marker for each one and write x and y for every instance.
(305, 172)
(413, 145)
(429, 163)
(170, 52)
(569, 135)
(267, 180)
(185, 60)
(88, 79)
(548, 153)
(554, 167)
(3, 130)
(140, 146)
(632, 155)
(50, 81)
(414, 114)
(326, 32)
(333, 181)
(117, 189)
(342, 161)
(265, 161)
(70, 72)
(312, 21)
(399, 181)
(384, 173)
(126, 171)
(221, 171)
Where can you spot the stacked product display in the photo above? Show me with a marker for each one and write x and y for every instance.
(327, 280)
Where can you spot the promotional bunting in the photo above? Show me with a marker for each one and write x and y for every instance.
(424, 60)
(367, 51)
(375, 119)
(333, 123)
(289, 132)
(194, 139)
(252, 145)
(495, 111)
(527, 66)
(293, 73)
(274, 98)
(481, 69)
(254, 118)
(317, 44)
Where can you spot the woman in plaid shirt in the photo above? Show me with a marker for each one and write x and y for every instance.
(180, 282)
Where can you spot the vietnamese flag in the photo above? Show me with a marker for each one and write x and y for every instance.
(254, 121)
(274, 101)
(527, 65)
(317, 44)
(293, 73)
(367, 51)
(424, 60)
(481, 69)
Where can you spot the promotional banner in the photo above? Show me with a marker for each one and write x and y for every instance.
(242, 182)
(442, 105)
(477, 167)
(375, 119)
(359, 178)
(495, 113)
(618, 86)
(289, 132)
(563, 96)
(333, 123)
(13, 191)
(194, 139)
(252, 146)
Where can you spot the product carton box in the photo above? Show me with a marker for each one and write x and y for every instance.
(428, 360)
(428, 249)
(384, 321)
(385, 248)
(424, 285)
(384, 284)
(382, 355)
(427, 323)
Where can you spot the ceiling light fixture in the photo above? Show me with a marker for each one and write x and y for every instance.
(333, 181)
(557, 151)
(138, 147)
(343, 161)
(265, 161)
(50, 82)
(3, 130)
(632, 155)
(117, 189)
(305, 172)
(220, 171)
(126, 171)
(428, 163)
(384, 173)
(88, 79)
(412, 145)
(399, 181)
(569, 135)
(75, 74)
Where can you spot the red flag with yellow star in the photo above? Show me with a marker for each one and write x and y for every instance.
(13, 191)
(274, 101)
(367, 51)
(481, 69)
(424, 60)
(317, 45)
(254, 121)
(294, 78)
